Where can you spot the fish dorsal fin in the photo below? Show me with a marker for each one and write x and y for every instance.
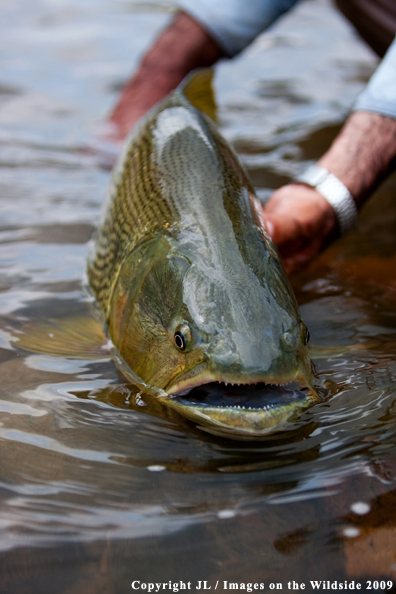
(75, 338)
(198, 89)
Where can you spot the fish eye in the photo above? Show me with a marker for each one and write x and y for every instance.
(179, 341)
(182, 337)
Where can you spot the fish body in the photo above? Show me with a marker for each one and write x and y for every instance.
(190, 284)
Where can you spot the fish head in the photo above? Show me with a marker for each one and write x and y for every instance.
(186, 330)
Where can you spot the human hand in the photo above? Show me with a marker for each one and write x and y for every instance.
(299, 219)
(301, 222)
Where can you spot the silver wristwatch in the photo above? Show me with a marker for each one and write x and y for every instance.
(335, 193)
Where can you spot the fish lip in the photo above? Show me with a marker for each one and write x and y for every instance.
(174, 389)
(179, 384)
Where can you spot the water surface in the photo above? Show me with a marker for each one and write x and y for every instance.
(96, 490)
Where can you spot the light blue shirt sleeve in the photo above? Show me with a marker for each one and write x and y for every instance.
(235, 23)
(380, 94)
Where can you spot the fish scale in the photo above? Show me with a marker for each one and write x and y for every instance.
(135, 207)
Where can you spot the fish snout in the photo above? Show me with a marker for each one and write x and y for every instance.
(221, 350)
(232, 354)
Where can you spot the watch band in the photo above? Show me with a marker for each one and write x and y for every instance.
(335, 193)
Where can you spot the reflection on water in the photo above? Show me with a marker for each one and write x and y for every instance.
(99, 487)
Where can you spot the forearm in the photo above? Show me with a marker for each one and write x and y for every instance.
(181, 47)
(196, 38)
(363, 153)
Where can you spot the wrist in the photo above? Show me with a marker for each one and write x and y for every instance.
(335, 193)
(183, 46)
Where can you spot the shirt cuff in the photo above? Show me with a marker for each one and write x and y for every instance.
(235, 23)
(380, 94)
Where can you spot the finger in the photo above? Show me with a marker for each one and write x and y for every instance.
(269, 227)
(286, 233)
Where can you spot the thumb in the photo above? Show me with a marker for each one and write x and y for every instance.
(269, 226)
(272, 226)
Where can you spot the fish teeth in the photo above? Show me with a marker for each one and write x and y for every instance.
(252, 408)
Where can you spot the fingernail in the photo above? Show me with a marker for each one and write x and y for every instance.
(269, 227)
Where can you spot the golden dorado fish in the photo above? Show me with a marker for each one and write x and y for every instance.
(191, 286)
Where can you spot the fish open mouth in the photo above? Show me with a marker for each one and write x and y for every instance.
(246, 411)
(259, 397)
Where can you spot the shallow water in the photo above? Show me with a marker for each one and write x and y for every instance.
(96, 490)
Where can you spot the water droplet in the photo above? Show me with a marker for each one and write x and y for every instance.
(156, 468)
(360, 508)
(224, 514)
(139, 400)
(351, 532)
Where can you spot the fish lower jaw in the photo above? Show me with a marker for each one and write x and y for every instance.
(241, 422)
